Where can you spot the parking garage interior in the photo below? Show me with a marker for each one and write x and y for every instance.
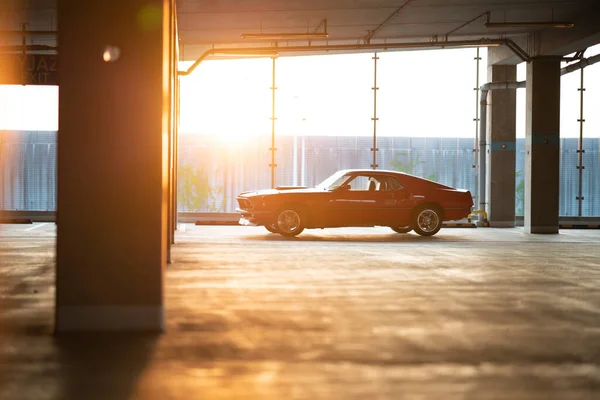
(113, 289)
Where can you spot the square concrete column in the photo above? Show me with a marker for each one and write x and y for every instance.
(542, 146)
(112, 164)
(501, 139)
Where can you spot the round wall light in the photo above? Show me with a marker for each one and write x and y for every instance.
(111, 54)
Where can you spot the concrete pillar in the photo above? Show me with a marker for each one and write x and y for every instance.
(542, 146)
(112, 232)
(501, 151)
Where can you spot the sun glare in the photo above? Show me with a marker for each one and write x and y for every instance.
(29, 108)
(420, 94)
(333, 95)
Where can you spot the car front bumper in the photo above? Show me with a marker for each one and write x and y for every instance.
(255, 218)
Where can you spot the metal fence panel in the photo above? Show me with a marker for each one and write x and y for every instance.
(213, 171)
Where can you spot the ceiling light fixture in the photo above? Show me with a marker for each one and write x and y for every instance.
(284, 36)
(478, 45)
(529, 24)
(290, 36)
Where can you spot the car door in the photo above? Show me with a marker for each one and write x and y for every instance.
(359, 203)
(396, 202)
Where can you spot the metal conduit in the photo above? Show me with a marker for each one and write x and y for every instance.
(483, 132)
(581, 64)
(483, 117)
(273, 51)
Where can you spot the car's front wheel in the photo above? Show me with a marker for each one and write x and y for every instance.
(401, 229)
(427, 220)
(289, 222)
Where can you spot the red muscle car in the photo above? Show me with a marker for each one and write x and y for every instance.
(357, 198)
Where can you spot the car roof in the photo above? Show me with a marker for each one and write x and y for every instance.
(393, 173)
(373, 171)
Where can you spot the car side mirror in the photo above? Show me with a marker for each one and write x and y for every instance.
(345, 188)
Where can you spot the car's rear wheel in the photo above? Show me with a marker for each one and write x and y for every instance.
(427, 220)
(401, 229)
(271, 227)
(289, 222)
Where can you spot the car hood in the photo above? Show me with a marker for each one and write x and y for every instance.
(284, 189)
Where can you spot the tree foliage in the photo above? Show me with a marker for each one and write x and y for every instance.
(194, 190)
(408, 162)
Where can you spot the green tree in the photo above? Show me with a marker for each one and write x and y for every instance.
(406, 162)
(519, 193)
(194, 192)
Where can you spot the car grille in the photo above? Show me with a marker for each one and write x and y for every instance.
(245, 204)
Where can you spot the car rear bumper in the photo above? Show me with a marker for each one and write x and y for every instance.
(454, 214)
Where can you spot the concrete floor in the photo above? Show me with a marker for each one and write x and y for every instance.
(333, 314)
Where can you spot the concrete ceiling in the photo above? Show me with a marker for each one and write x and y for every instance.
(206, 24)
(217, 24)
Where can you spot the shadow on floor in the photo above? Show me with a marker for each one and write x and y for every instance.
(375, 238)
(102, 365)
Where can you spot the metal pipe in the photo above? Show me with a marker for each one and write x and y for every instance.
(28, 33)
(483, 133)
(517, 50)
(18, 48)
(482, 148)
(467, 23)
(476, 144)
(272, 51)
(367, 39)
(580, 65)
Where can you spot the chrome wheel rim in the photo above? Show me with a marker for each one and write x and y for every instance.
(428, 220)
(271, 227)
(288, 221)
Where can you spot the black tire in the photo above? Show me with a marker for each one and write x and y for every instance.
(289, 222)
(271, 227)
(401, 229)
(427, 220)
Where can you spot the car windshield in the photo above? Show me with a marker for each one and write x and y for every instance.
(334, 181)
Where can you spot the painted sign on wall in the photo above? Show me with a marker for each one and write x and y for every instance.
(28, 69)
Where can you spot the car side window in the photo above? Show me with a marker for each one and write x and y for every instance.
(391, 183)
(374, 183)
(360, 183)
(338, 182)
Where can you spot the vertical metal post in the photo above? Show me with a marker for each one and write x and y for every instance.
(24, 39)
(26, 163)
(177, 118)
(303, 163)
(374, 149)
(175, 115)
(273, 148)
(476, 149)
(580, 149)
(295, 161)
